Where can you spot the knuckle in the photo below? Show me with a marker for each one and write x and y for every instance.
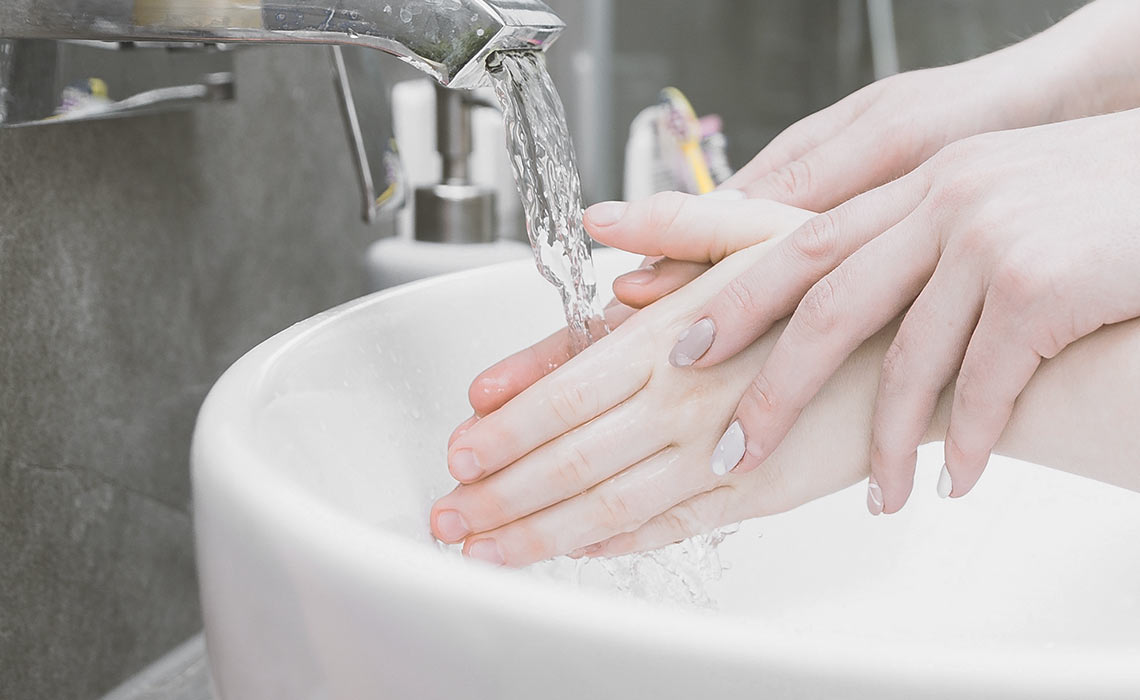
(791, 180)
(955, 153)
(740, 298)
(681, 521)
(970, 395)
(572, 403)
(817, 240)
(1018, 280)
(617, 511)
(664, 209)
(949, 192)
(526, 545)
(573, 468)
(819, 310)
(893, 376)
(760, 397)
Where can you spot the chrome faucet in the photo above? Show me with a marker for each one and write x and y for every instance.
(447, 39)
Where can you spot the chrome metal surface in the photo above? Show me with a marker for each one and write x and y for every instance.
(455, 214)
(44, 82)
(368, 121)
(455, 211)
(448, 39)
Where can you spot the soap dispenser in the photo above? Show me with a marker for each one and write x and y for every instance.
(460, 219)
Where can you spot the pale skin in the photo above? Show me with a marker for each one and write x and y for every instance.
(1000, 251)
(1006, 246)
(608, 454)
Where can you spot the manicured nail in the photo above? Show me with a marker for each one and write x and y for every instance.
(694, 342)
(465, 465)
(643, 275)
(945, 486)
(874, 496)
(486, 550)
(724, 194)
(606, 213)
(451, 526)
(729, 450)
(462, 428)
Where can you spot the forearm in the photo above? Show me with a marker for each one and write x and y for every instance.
(1087, 64)
(1077, 414)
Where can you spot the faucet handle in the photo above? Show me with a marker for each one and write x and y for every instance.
(367, 115)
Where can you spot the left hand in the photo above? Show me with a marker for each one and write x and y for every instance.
(1011, 245)
(616, 439)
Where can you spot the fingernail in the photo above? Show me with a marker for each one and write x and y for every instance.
(465, 465)
(606, 213)
(486, 550)
(874, 496)
(451, 526)
(729, 450)
(694, 342)
(944, 483)
(462, 428)
(643, 275)
(725, 194)
(586, 551)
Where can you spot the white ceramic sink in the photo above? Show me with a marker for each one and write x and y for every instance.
(317, 455)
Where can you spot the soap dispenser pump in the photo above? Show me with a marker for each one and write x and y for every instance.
(455, 219)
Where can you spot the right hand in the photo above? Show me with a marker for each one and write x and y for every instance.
(891, 126)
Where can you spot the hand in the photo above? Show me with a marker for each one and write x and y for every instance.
(1010, 245)
(1084, 65)
(617, 438)
(695, 232)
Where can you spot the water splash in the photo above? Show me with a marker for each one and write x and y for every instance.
(546, 174)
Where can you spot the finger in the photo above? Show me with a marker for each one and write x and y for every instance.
(838, 313)
(620, 504)
(800, 138)
(998, 364)
(462, 428)
(853, 162)
(769, 290)
(646, 285)
(588, 385)
(560, 469)
(689, 227)
(700, 514)
(923, 358)
(507, 378)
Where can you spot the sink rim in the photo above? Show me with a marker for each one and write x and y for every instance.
(228, 415)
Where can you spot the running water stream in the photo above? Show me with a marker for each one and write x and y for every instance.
(546, 173)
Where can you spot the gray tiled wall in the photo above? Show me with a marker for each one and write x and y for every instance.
(138, 258)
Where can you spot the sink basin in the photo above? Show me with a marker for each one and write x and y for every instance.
(317, 455)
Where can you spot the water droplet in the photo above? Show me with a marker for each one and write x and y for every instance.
(405, 15)
(479, 32)
(388, 9)
(280, 16)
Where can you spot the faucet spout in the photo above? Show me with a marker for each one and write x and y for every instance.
(448, 39)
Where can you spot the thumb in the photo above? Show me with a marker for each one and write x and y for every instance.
(704, 229)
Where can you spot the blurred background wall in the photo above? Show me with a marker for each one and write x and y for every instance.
(139, 258)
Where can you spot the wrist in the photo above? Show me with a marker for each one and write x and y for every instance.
(1085, 65)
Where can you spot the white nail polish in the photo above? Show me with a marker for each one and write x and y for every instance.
(874, 497)
(729, 450)
(944, 483)
(724, 194)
